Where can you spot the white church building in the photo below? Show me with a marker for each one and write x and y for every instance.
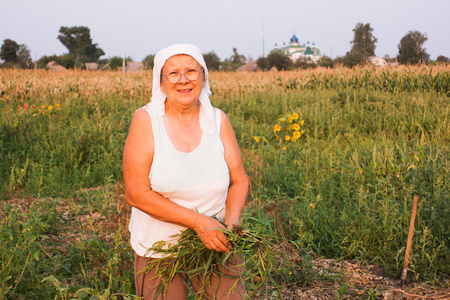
(296, 51)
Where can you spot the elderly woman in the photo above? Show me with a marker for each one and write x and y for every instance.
(182, 165)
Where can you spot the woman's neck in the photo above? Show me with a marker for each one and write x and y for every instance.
(182, 113)
(183, 127)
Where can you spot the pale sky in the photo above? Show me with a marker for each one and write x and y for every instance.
(137, 28)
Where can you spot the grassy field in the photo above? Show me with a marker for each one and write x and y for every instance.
(371, 139)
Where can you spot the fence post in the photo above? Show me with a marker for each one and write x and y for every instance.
(410, 236)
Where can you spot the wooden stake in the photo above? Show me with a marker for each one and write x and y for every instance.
(410, 236)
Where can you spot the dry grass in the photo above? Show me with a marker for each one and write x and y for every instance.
(22, 85)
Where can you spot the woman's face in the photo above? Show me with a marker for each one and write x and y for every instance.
(185, 92)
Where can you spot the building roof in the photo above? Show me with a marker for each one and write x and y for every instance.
(54, 66)
(91, 66)
(133, 66)
(250, 66)
(308, 51)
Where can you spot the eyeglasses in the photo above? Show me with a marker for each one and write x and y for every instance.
(191, 75)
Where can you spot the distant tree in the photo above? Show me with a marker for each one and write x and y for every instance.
(24, 57)
(93, 53)
(149, 61)
(235, 61)
(351, 60)
(363, 43)
(78, 41)
(262, 63)
(15, 55)
(304, 64)
(442, 59)
(68, 61)
(279, 60)
(9, 50)
(338, 61)
(212, 61)
(410, 48)
(326, 62)
(117, 62)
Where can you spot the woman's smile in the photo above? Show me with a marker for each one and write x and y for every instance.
(184, 91)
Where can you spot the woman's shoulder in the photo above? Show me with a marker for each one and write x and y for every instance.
(220, 114)
(142, 119)
(148, 110)
(225, 128)
(141, 113)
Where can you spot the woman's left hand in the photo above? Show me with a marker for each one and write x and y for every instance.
(211, 237)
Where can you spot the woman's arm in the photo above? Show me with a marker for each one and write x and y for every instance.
(137, 161)
(238, 190)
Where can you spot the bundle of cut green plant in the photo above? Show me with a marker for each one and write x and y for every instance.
(191, 260)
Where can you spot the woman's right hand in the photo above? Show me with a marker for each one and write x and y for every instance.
(211, 237)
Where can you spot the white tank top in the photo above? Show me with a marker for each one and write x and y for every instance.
(197, 180)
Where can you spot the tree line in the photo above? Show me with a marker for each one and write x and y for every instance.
(410, 51)
(82, 50)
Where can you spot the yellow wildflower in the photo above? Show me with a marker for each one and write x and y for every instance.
(284, 148)
(277, 127)
(50, 107)
(256, 139)
(295, 116)
(312, 205)
(293, 139)
(58, 105)
(296, 134)
(302, 122)
(296, 126)
(290, 119)
(287, 137)
(43, 106)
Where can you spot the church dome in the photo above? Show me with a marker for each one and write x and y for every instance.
(294, 39)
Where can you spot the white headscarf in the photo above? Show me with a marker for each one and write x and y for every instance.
(207, 116)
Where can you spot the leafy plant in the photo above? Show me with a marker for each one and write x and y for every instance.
(190, 259)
